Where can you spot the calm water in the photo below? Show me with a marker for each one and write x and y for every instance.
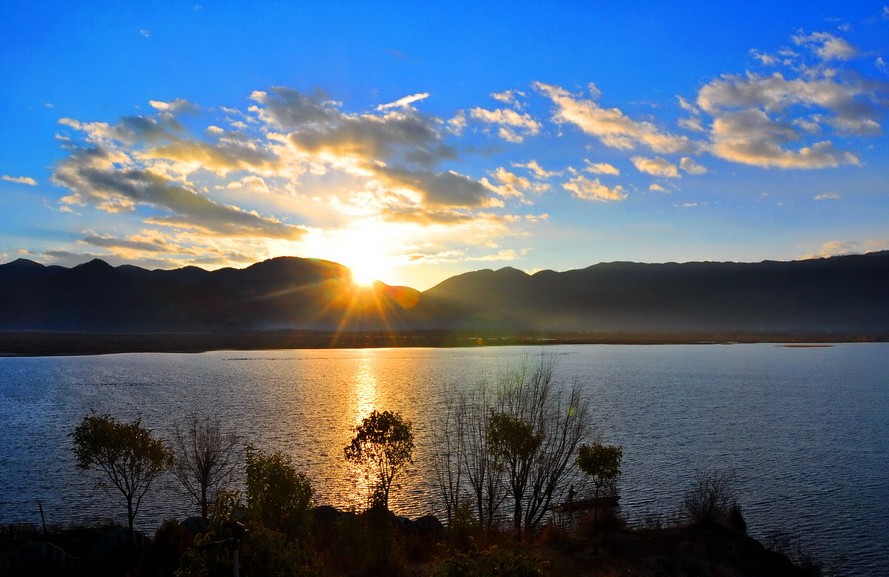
(807, 429)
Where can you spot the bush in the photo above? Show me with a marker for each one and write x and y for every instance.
(492, 562)
(278, 496)
(711, 497)
(270, 553)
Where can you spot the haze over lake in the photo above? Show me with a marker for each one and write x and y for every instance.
(807, 429)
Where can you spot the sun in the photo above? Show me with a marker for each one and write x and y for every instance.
(366, 272)
(370, 250)
(366, 253)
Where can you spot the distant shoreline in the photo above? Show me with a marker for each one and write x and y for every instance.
(74, 343)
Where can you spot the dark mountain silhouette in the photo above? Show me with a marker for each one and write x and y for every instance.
(281, 293)
(845, 296)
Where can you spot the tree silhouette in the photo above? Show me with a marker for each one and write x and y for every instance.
(128, 454)
(383, 443)
(602, 463)
(515, 443)
(278, 496)
(206, 458)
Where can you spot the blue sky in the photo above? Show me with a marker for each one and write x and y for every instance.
(417, 141)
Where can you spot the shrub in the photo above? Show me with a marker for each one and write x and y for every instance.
(711, 497)
(492, 562)
(278, 496)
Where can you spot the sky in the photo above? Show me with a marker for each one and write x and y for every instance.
(416, 141)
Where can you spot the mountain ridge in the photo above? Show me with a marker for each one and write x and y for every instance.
(835, 295)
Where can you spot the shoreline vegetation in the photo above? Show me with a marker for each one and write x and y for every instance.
(72, 343)
(370, 543)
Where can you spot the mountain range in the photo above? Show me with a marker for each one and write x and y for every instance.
(845, 295)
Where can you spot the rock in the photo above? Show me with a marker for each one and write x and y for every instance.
(326, 514)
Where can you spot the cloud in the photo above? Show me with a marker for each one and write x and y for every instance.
(150, 242)
(751, 137)
(513, 185)
(404, 102)
(536, 169)
(587, 189)
(94, 177)
(508, 97)
(853, 106)
(439, 189)
(689, 165)
(601, 168)
(317, 127)
(655, 166)
(19, 180)
(839, 248)
(176, 106)
(514, 126)
(768, 120)
(826, 46)
(763, 58)
(655, 187)
(610, 125)
(828, 196)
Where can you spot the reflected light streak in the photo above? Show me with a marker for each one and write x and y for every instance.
(364, 400)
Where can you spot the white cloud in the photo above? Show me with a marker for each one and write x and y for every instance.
(610, 125)
(768, 120)
(751, 137)
(601, 168)
(511, 184)
(689, 165)
(514, 126)
(763, 58)
(655, 167)
(536, 169)
(19, 180)
(655, 187)
(587, 189)
(828, 196)
(404, 102)
(826, 45)
(509, 97)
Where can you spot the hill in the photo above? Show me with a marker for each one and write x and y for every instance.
(838, 298)
(281, 293)
(839, 295)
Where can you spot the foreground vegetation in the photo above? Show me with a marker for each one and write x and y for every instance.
(375, 542)
(507, 456)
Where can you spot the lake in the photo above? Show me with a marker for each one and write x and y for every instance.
(805, 428)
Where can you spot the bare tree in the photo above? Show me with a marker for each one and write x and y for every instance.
(519, 439)
(561, 421)
(711, 497)
(449, 438)
(206, 459)
(483, 469)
